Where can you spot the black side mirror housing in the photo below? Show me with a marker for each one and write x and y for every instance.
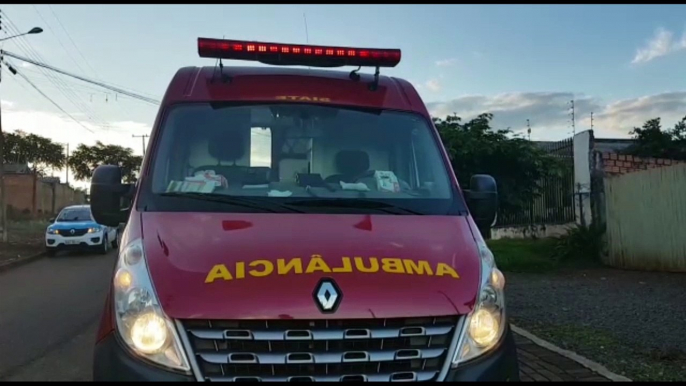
(52, 220)
(107, 192)
(482, 200)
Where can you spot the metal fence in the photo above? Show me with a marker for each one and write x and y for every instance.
(555, 203)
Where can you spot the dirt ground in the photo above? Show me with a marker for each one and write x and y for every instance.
(632, 322)
(26, 238)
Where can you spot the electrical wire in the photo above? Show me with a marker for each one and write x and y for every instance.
(64, 89)
(14, 69)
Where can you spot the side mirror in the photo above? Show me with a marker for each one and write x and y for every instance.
(52, 220)
(107, 192)
(482, 200)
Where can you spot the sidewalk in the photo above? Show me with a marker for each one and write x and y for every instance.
(539, 364)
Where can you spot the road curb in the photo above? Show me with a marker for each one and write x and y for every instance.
(6, 266)
(597, 367)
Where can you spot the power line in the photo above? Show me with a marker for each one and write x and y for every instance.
(63, 88)
(57, 37)
(112, 88)
(14, 70)
(98, 77)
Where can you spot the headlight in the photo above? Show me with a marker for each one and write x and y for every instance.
(94, 230)
(53, 231)
(141, 323)
(484, 327)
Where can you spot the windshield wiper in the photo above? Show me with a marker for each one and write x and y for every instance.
(254, 203)
(355, 203)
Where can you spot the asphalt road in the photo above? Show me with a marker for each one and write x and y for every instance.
(49, 314)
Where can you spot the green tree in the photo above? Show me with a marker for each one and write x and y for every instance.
(39, 152)
(652, 141)
(516, 163)
(85, 159)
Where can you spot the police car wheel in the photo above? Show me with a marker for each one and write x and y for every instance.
(105, 246)
(115, 242)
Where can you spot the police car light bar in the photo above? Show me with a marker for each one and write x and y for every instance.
(296, 54)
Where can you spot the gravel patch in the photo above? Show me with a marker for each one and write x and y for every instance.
(642, 308)
(606, 312)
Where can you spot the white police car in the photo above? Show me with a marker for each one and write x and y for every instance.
(75, 229)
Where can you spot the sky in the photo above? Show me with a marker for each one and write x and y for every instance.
(623, 63)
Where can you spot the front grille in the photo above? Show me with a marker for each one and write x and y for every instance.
(77, 232)
(375, 350)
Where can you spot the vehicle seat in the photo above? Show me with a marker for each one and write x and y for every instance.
(227, 146)
(350, 165)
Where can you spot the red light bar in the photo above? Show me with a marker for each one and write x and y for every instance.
(297, 54)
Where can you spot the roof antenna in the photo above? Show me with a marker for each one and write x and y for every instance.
(354, 74)
(375, 84)
(307, 34)
(224, 77)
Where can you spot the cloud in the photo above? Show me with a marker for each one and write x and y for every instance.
(446, 62)
(7, 104)
(661, 44)
(549, 112)
(624, 115)
(26, 65)
(433, 85)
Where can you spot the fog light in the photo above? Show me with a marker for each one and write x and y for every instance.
(484, 327)
(149, 333)
(123, 279)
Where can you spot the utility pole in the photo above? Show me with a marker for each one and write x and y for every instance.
(3, 203)
(591, 120)
(67, 163)
(528, 129)
(573, 123)
(142, 137)
(3, 196)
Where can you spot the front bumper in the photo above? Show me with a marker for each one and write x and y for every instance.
(89, 240)
(114, 363)
(499, 365)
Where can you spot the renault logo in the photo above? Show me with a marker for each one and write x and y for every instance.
(327, 296)
(72, 231)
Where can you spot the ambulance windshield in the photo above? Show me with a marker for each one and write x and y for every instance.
(297, 151)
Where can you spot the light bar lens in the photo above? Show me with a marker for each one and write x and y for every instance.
(295, 54)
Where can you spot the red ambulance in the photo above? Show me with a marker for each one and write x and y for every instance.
(299, 224)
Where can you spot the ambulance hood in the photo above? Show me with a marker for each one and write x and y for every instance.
(266, 266)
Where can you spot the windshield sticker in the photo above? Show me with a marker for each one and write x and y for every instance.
(316, 264)
(298, 98)
(205, 181)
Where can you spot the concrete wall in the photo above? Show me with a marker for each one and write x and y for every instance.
(583, 144)
(645, 218)
(29, 197)
(536, 231)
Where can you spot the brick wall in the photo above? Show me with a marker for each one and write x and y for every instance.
(616, 164)
(28, 196)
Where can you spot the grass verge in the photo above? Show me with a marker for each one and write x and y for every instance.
(534, 255)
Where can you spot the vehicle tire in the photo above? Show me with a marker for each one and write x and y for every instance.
(115, 242)
(105, 245)
(50, 252)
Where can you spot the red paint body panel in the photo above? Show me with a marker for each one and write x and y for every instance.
(182, 248)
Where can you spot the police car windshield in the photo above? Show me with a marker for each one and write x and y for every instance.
(76, 214)
(297, 151)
